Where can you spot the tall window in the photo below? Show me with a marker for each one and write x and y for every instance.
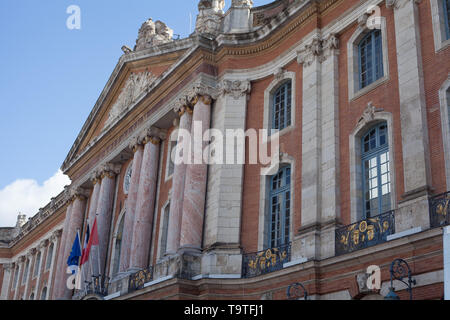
(370, 58)
(170, 163)
(37, 265)
(446, 17)
(376, 171)
(25, 273)
(282, 105)
(44, 293)
(16, 277)
(118, 245)
(280, 207)
(165, 229)
(48, 263)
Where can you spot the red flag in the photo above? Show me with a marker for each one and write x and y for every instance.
(93, 241)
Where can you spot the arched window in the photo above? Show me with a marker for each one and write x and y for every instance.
(280, 207)
(118, 245)
(37, 265)
(447, 16)
(49, 257)
(164, 231)
(44, 293)
(376, 171)
(282, 106)
(370, 59)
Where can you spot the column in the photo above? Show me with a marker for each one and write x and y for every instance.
(128, 225)
(310, 58)
(417, 174)
(104, 213)
(53, 267)
(145, 204)
(22, 261)
(32, 257)
(178, 180)
(43, 247)
(76, 223)
(196, 175)
(330, 184)
(61, 268)
(413, 211)
(8, 269)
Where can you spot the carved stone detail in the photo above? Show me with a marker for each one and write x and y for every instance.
(235, 88)
(397, 4)
(209, 18)
(136, 85)
(319, 48)
(153, 34)
(369, 113)
(110, 170)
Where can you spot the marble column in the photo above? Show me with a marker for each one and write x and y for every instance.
(178, 180)
(128, 225)
(104, 214)
(60, 263)
(22, 261)
(7, 277)
(145, 205)
(75, 225)
(55, 239)
(43, 249)
(196, 177)
(32, 258)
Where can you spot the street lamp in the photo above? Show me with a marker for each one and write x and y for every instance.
(399, 270)
(296, 290)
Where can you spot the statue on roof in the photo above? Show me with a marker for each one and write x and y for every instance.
(210, 16)
(153, 34)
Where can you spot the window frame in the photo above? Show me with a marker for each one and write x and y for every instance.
(376, 57)
(49, 258)
(37, 264)
(441, 24)
(283, 216)
(372, 153)
(286, 108)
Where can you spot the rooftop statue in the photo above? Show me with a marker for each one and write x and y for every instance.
(153, 34)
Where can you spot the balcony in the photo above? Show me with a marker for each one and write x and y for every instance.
(138, 279)
(269, 260)
(440, 210)
(365, 233)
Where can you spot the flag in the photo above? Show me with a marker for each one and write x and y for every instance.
(86, 242)
(75, 254)
(93, 241)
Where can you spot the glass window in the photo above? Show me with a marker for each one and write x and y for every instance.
(49, 257)
(165, 229)
(37, 265)
(280, 206)
(446, 17)
(370, 59)
(376, 171)
(171, 164)
(281, 108)
(44, 293)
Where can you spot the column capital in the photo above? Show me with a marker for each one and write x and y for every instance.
(330, 46)
(56, 235)
(135, 144)
(310, 51)
(153, 135)
(110, 170)
(398, 4)
(8, 266)
(189, 97)
(95, 177)
(235, 88)
(22, 259)
(43, 244)
(79, 193)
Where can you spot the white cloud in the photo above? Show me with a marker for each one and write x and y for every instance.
(27, 196)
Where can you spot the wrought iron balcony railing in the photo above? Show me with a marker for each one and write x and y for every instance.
(365, 233)
(440, 210)
(269, 260)
(138, 279)
(99, 286)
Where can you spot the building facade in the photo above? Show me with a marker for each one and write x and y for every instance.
(359, 92)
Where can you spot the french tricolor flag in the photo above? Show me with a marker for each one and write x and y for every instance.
(92, 240)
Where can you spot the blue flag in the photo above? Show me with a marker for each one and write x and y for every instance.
(75, 254)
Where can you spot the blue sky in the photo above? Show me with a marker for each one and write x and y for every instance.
(51, 77)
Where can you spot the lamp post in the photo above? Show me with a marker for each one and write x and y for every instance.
(296, 290)
(399, 270)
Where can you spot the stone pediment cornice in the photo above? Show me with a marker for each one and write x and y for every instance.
(179, 45)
